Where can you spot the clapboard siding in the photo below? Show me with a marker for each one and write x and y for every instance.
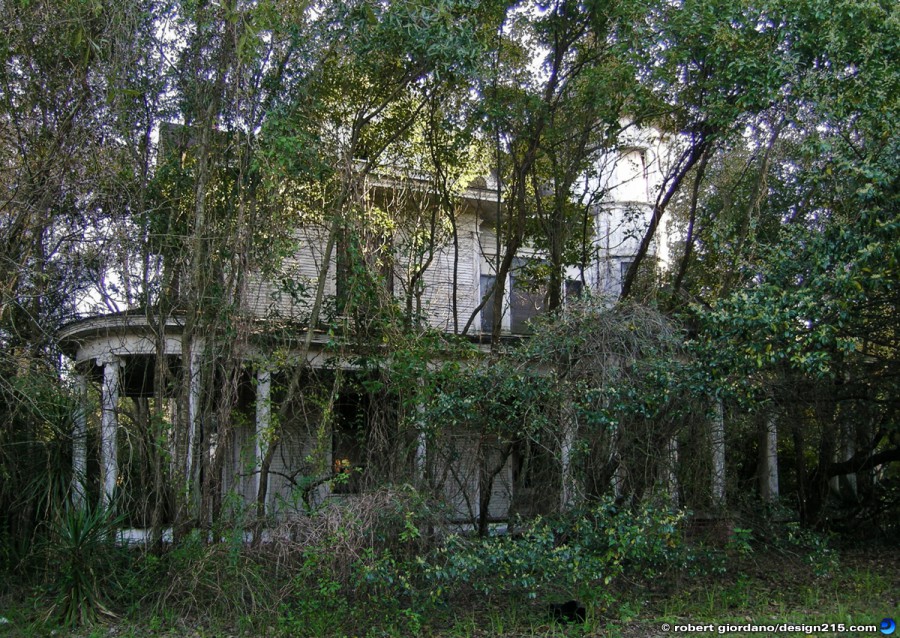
(456, 466)
(439, 280)
(271, 296)
(502, 488)
(460, 460)
(455, 470)
(289, 466)
(239, 473)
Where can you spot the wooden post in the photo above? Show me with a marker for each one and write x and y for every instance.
(79, 443)
(845, 450)
(671, 467)
(192, 469)
(263, 420)
(567, 495)
(109, 427)
(768, 470)
(615, 456)
(421, 456)
(848, 433)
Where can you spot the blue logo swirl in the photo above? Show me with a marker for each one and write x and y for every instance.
(888, 626)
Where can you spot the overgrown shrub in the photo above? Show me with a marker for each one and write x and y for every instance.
(35, 459)
(381, 559)
(360, 559)
(577, 555)
(344, 566)
(200, 579)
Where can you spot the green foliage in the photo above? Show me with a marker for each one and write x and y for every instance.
(504, 399)
(794, 273)
(35, 458)
(85, 562)
(740, 541)
(802, 314)
(354, 564)
(579, 555)
(816, 549)
(721, 62)
(624, 383)
(318, 607)
(207, 580)
(289, 109)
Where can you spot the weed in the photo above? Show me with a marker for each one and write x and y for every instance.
(739, 541)
(815, 547)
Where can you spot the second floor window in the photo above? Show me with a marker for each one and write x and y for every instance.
(525, 298)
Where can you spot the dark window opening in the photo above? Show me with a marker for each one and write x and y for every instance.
(487, 311)
(535, 479)
(574, 289)
(348, 444)
(527, 297)
(624, 266)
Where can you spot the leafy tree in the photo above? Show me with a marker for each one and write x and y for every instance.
(67, 175)
(782, 117)
(804, 311)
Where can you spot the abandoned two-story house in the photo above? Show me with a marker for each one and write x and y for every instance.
(119, 352)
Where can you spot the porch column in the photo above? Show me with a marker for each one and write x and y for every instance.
(421, 456)
(671, 469)
(768, 470)
(263, 422)
(173, 416)
(567, 495)
(618, 476)
(109, 427)
(845, 451)
(192, 472)
(79, 443)
(849, 432)
(717, 442)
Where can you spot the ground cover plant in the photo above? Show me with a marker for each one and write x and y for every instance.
(387, 567)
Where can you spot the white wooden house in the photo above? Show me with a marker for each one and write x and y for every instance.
(118, 352)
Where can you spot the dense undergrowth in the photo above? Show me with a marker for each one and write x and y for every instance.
(387, 564)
